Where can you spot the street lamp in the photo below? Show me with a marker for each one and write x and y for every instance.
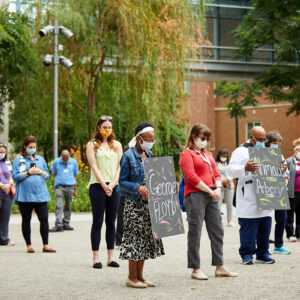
(56, 60)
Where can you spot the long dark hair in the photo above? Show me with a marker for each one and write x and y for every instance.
(195, 131)
(221, 152)
(28, 140)
(98, 138)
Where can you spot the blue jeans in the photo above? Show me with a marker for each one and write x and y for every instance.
(254, 237)
(280, 219)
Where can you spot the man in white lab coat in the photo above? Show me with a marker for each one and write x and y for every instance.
(255, 225)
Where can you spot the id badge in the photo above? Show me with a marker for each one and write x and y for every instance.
(22, 168)
(297, 168)
(66, 171)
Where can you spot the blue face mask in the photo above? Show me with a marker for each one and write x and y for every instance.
(259, 144)
(274, 146)
(30, 151)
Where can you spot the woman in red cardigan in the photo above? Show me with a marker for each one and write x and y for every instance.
(201, 193)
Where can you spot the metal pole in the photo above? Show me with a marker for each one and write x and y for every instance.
(55, 92)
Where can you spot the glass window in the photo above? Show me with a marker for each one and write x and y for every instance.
(249, 126)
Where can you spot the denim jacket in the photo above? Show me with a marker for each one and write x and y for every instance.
(132, 173)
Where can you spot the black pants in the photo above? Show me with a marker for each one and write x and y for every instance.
(102, 203)
(41, 209)
(295, 209)
(280, 219)
(120, 222)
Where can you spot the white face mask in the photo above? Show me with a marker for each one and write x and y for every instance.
(223, 159)
(201, 144)
(146, 146)
(2, 155)
(298, 155)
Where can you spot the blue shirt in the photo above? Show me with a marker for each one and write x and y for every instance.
(65, 172)
(32, 188)
(132, 174)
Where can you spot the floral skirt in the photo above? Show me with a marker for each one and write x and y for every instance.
(138, 242)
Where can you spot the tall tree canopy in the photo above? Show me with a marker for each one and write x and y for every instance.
(128, 60)
(271, 24)
(16, 55)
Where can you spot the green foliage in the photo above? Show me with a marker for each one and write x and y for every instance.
(16, 55)
(128, 60)
(272, 24)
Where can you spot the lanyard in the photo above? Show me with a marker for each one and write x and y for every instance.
(205, 158)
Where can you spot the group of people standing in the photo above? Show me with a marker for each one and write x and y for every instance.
(115, 174)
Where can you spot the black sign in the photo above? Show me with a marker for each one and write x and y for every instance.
(269, 180)
(164, 206)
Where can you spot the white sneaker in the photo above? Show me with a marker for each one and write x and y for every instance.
(199, 276)
(231, 224)
(292, 239)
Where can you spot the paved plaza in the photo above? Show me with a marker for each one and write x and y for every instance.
(68, 274)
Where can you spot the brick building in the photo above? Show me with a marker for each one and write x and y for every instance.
(207, 108)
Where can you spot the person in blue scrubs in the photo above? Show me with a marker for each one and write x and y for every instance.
(30, 172)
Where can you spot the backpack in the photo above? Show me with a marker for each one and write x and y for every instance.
(181, 193)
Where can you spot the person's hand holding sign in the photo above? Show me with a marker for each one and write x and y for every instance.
(143, 191)
(252, 166)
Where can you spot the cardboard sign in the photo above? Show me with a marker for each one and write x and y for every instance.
(269, 180)
(164, 206)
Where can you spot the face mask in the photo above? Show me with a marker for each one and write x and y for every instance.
(298, 155)
(274, 146)
(2, 155)
(146, 146)
(30, 151)
(201, 144)
(259, 144)
(223, 159)
(105, 132)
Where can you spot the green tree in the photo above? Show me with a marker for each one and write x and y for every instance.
(129, 62)
(16, 56)
(271, 24)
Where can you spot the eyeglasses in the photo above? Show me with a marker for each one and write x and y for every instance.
(147, 141)
(104, 118)
(204, 138)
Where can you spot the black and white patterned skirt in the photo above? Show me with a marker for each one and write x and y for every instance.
(138, 242)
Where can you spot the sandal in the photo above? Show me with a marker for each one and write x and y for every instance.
(113, 264)
(30, 250)
(49, 250)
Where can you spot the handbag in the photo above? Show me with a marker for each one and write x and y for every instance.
(12, 191)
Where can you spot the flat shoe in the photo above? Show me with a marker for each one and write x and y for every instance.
(49, 250)
(199, 276)
(113, 264)
(220, 273)
(149, 283)
(132, 284)
(30, 250)
(97, 265)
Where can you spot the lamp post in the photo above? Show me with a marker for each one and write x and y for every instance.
(56, 60)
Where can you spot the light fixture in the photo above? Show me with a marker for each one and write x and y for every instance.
(48, 60)
(46, 30)
(65, 32)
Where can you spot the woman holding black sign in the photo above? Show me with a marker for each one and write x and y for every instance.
(201, 194)
(30, 172)
(138, 243)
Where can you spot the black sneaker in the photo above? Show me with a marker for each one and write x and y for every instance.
(56, 229)
(68, 227)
